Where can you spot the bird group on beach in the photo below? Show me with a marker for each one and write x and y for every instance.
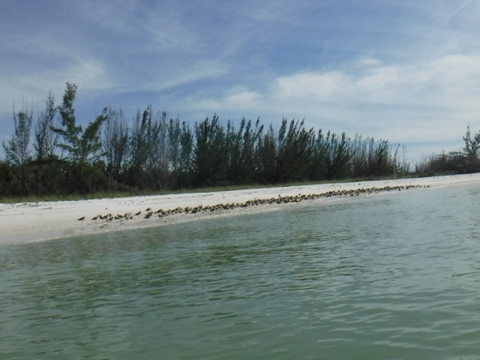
(149, 212)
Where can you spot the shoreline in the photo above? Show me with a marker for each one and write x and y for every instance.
(32, 222)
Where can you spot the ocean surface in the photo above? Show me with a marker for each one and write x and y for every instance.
(392, 276)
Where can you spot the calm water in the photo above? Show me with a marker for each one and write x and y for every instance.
(387, 277)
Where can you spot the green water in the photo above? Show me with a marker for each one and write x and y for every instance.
(386, 277)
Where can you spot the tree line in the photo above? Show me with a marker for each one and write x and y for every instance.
(154, 152)
(464, 161)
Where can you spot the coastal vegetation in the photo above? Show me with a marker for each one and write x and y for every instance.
(156, 153)
(455, 162)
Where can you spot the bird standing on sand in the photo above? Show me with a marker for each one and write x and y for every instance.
(81, 219)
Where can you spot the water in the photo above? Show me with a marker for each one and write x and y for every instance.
(386, 277)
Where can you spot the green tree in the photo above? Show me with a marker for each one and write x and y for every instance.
(186, 156)
(17, 149)
(82, 146)
(321, 150)
(45, 139)
(46, 164)
(339, 158)
(266, 156)
(180, 145)
(241, 149)
(158, 153)
(210, 154)
(138, 146)
(6, 179)
(295, 151)
(472, 146)
(116, 143)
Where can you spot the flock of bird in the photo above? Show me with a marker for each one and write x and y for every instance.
(148, 213)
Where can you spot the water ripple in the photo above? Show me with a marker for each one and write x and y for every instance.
(391, 277)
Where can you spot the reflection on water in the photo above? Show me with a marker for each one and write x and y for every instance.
(391, 277)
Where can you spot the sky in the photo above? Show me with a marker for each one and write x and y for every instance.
(401, 70)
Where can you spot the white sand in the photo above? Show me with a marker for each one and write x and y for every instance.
(51, 220)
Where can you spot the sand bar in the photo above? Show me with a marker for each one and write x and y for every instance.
(27, 222)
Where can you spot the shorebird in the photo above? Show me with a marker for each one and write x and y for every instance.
(81, 219)
(95, 218)
(138, 213)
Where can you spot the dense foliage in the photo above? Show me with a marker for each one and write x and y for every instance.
(155, 152)
(455, 162)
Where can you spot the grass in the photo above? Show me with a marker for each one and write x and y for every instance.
(120, 194)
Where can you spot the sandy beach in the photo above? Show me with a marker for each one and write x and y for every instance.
(27, 222)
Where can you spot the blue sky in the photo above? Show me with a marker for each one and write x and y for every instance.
(406, 71)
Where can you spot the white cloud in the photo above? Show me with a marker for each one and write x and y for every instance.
(424, 100)
(90, 76)
(237, 98)
(181, 76)
(442, 82)
(367, 61)
(243, 97)
(311, 86)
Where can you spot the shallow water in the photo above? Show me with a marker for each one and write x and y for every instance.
(383, 277)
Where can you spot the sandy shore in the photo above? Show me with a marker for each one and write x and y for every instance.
(27, 222)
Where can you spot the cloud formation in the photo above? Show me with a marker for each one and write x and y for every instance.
(407, 71)
(392, 96)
